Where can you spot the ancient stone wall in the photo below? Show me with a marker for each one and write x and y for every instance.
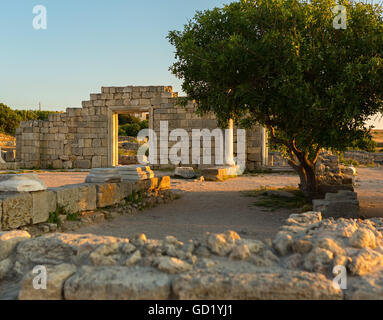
(298, 264)
(87, 137)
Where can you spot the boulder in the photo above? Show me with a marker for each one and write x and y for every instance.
(173, 265)
(117, 283)
(56, 277)
(21, 183)
(103, 175)
(185, 172)
(9, 240)
(278, 284)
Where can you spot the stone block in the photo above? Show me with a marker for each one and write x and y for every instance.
(164, 183)
(77, 197)
(82, 164)
(57, 164)
(185, 172)
(43, 202)
(214, 174)
(109, 194)
(21, 183)
(17, 210)
(103, 175)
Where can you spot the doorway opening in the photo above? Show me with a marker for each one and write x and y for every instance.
(129, 125)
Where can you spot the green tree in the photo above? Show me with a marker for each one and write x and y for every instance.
(9, 120)
(282, 64)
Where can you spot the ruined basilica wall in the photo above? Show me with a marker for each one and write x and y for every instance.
(83, 137)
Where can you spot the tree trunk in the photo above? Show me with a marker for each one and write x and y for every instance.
(308, 183)
(308, 180)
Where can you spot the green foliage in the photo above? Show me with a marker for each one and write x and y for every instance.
(129, 129)
(127, 118)
(54, 217)
(130, 126)
(73, 216)
(281, 64)
(10, 119)
(135, 198)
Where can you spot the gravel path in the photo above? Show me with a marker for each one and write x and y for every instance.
(210, 206)
(217, 206)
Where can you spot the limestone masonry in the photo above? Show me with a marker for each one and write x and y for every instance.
(87, 137)
(297, 264)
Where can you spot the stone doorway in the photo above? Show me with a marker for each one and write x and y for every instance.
(113, 119)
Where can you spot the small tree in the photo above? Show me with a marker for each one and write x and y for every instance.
(282, 64)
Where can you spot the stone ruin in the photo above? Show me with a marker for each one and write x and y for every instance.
(297, 264)
(87, 137)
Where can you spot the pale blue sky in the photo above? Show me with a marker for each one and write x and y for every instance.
(88, 44)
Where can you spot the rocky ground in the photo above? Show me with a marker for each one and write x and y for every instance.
(297, 264)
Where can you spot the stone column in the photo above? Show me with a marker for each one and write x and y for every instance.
(229, 144)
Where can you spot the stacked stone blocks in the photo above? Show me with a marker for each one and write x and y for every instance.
(80, 137)
(18, 209)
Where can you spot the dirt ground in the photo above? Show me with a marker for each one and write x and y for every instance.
(218, 206)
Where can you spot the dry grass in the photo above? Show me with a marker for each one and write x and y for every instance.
(274, 201)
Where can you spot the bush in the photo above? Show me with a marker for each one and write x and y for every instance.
(10, 119)
(130, 126)
(130, 129)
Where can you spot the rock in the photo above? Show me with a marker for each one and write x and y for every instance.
(185, 172)
(56, 276)
(173, 265)
(318, 260)
(17, 210)
(218, 244)
(103, 175)
(302, 246)
(365, 261)
(207, 263)
(368, 287)
(231, 236)
(362, 238)
(255, 246)
(117, 283)
(266, 259)
(203, 251)
(337, 208)
(277, 285)
(43, 203)
(305, 218)
(9, 240)
(350, 171)
(331, 245)
(135, 172)
(134, 258)
(240, 252)
(105, 255)
(294, 261)
(5, 267)
(21, 183)
(59, 248)
(282, 243)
